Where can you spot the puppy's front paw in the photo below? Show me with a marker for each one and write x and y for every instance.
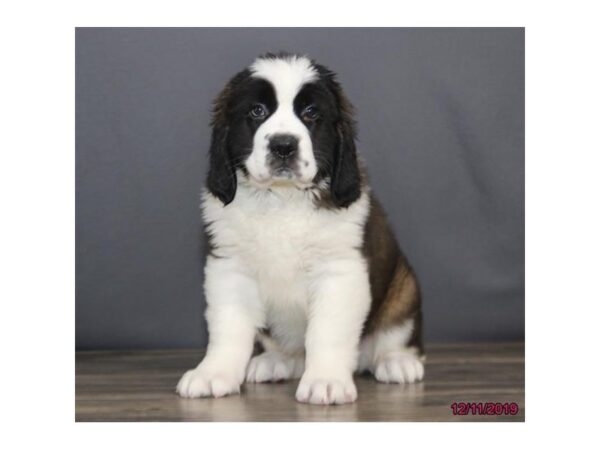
(399, 368)
(326, 390)
(200, 382)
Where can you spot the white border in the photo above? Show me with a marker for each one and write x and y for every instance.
(37, 294)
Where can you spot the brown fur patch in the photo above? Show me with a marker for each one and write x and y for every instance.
(394, 288)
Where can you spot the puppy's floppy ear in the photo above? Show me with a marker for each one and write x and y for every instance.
(222, 180)
(346, 177)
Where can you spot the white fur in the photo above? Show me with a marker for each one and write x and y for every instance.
(287, 76)
(233, 310)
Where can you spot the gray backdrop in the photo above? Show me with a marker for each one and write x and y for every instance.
(441, 126)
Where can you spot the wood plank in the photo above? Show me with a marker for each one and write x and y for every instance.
(139, 386)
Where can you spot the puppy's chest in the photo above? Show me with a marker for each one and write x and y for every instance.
(280, 239)
(283, 240)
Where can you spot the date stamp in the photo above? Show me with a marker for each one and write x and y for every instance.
(484, 409)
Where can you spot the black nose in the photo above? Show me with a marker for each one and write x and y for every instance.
(283, 145)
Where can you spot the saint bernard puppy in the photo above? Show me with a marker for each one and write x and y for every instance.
(302, 260)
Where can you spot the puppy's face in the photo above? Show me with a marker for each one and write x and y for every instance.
(284, 121)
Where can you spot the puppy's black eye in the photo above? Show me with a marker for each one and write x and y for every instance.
(258, 111)
(310, 113)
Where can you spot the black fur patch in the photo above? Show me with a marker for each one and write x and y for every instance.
(233, 131)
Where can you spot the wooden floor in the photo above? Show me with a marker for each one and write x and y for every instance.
(139, 386)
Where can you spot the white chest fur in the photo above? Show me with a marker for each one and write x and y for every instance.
(281, 240)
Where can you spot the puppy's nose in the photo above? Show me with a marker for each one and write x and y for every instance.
(283, 145)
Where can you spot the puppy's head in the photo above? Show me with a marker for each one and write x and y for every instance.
(284, 121)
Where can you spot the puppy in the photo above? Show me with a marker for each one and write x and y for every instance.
(301, 257)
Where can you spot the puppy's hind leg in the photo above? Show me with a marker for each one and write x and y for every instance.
(392, 349)
(387, 356)
(274, 366)
(274, 363)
